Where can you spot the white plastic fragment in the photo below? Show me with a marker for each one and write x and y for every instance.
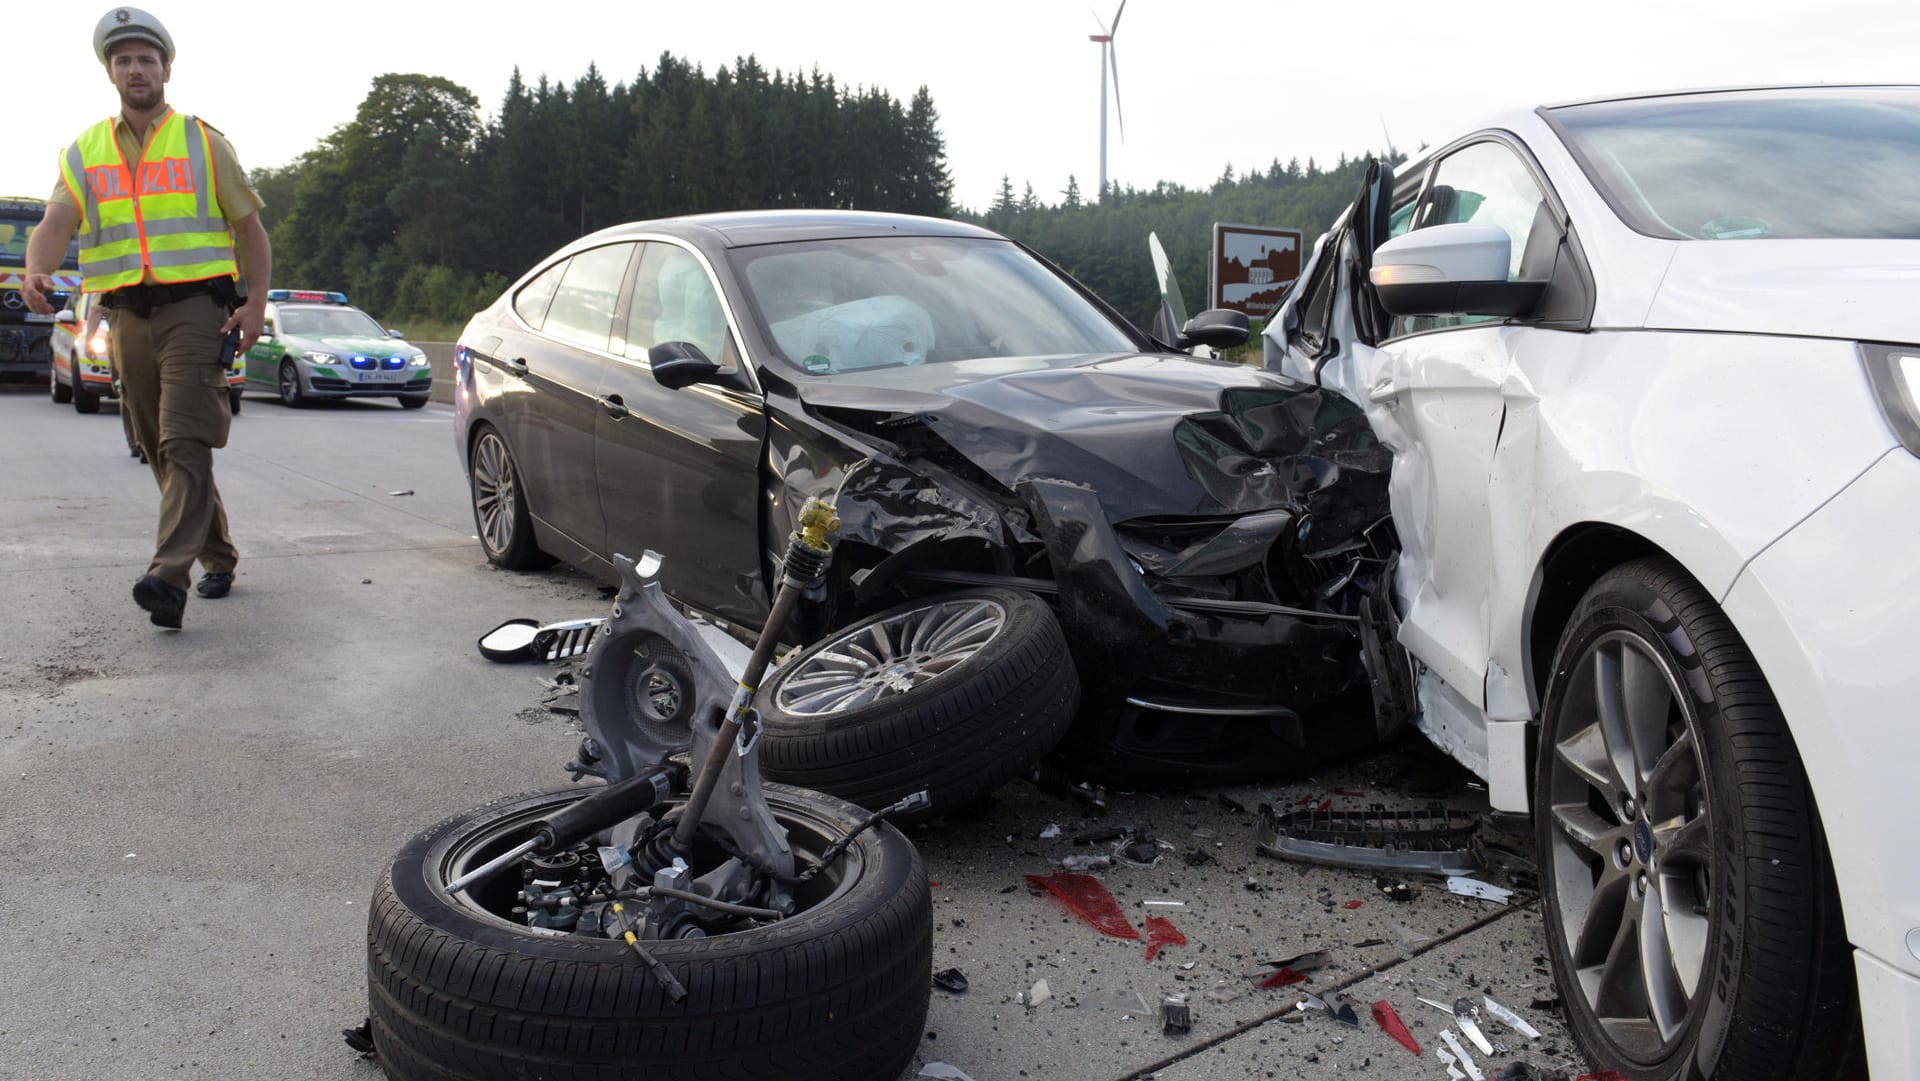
(1510, 1019)
(1466, 1060)
(1473, 887)
(944, 1072)
(1052, 831)
(1040, 994)
(1161, 902)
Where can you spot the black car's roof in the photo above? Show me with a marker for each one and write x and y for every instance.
(744, 228)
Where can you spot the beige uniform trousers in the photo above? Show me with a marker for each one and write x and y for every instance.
(174, 379)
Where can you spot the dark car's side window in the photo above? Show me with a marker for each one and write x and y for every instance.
(674, 301)
(582, 309)
(532, 300)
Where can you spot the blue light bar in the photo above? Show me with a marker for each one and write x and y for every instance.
(314, 295)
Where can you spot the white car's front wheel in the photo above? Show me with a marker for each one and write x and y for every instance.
(1690, 907)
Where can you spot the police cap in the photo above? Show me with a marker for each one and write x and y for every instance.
(130, 24)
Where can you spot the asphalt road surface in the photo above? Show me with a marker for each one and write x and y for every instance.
(191, 823)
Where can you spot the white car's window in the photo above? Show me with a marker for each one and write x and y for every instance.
(329, 322)
(1813, 163)
(1485, 183)
(673, 301)
(532, 300)
(582, 309)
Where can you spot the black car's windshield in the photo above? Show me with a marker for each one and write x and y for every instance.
(1817, 163)
(834, 306)
(329, 323)
(15, 228)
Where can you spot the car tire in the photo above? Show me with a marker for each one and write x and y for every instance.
(62, 393)
(414, 402)
(956, 693)
(290, 393)
(838, 990)
(500, 514)
(233, 400)
(1690, 905)
(84, 400)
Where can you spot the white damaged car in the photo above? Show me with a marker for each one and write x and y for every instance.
(1650, 370)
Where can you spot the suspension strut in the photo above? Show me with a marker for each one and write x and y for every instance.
(809, 550)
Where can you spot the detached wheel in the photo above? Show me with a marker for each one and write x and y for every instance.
(500, 512)
(957, 693)
(290, 393)
(462, 992)
(1690, 905)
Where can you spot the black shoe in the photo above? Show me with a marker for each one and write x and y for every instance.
(215, 584)
(164, 602)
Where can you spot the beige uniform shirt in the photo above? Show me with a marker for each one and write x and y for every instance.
(230, 185)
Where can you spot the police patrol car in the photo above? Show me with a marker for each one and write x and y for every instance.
(316, 345)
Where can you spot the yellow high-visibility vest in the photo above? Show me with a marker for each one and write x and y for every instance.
(162, 218)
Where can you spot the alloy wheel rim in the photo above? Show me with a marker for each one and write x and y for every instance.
(1632, 844)
(289, 385)
(493, 492)
(891, 657)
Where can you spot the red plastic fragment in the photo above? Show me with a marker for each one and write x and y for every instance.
(1389, 1021)
(1286, 977)
(1351, 904)
(1303, 800)
(1325, 805)
(1161, 933)
(932, 885)
(1085, 897)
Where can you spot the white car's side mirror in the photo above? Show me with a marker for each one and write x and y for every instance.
(1458, 269)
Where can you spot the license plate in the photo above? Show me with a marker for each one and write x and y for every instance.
(380, 377)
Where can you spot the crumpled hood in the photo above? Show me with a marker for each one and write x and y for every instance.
(1852, 289)
(1150, 435)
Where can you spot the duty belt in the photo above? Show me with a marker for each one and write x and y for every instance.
(142, 300)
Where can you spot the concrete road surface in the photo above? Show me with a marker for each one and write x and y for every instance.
(191, 823)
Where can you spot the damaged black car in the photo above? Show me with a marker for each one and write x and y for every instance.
(1166, 569)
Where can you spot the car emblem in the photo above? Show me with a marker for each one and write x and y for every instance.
(123, 16)
(11, 300)
(1643, 841)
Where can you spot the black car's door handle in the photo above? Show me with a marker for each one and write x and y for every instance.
(614, 407)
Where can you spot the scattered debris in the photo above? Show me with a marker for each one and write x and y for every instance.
(944, 1072)
(1052, 831)
(1394, 889)
(1351, 905)
(1084, 862)
(1365, 943)
(361, 1038)
(1434, 841)
(1467, 1016)
(1087, 899)
(1057, 782)
(1551, 1004)
(1125, 1001)
(1460, 1055)
(1231, 804)
(1100, 836)
(1040, 995)
(1161, 902)
(1348, 792)
(1508, 1018)
(1390, 1023)
(951, 979)
(1143, 851)
(1344, 1012)
(1198, 857)
(1286, 977)
(1473, 887)
(403, 491)
(1175, 1018)
(1161, 933)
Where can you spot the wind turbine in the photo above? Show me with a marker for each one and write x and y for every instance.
(1109, 59)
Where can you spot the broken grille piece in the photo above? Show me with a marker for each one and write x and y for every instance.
(1432, 841)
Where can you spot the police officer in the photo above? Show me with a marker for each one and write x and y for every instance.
(167, 220)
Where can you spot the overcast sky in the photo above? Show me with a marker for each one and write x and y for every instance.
(1204, 83)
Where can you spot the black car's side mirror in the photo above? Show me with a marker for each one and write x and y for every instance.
(679, 364)
(1216, 328)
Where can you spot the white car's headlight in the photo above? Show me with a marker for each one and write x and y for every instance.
(419, 360)
(1894, 372)
(321, 358)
